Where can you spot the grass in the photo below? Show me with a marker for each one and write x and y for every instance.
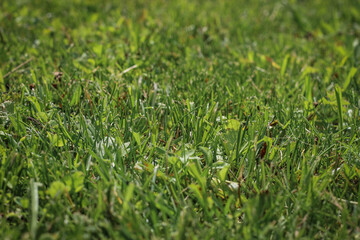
(179, 119)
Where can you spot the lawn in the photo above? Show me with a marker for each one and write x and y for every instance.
(179, 119)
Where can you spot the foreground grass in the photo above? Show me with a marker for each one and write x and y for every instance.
(179, 119)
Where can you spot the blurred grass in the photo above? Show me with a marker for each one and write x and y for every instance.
(179, 119)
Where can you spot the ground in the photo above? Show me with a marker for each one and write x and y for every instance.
(179, 119)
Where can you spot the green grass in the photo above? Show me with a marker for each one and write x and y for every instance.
(179, 119)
